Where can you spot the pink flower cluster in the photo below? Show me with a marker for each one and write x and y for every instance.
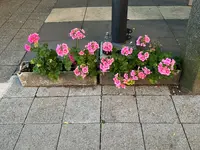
(107, 46)
(126, 51)
(81, 53)
(62, 49)
(118, 82)
(142, 56)
(81, 71)
(134, 76)
(166, 66)
(77, 34)
(32, 39)
(105, 64)
(143, 40)
(92, 47)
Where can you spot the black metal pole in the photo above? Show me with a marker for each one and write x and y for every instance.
(119, 20)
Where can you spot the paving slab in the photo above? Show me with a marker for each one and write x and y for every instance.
(2, 21)
(66, 14)
(8, 32)
(85, 91)
(83, 109)
(79, 136)
(97, 3)
(98, 13)
(39, 16)
(52, 91)
(175, 12)
(92, 34)
(12, 25)
(47, 110)
(43, 9)
(4, 41)
(39, 137)
(171, 2)
(112, 90)
(119, 109)
(70, 3)
(178, 27)
(11, 57)
(16, 89)
(16, 45)
(3, 88)
(144, 13)
(156, 109)
(152, 90)
(14, 110)
(9, 135)
(193, 134)
(6, 72)
(33, 24)
(24, 33)
(188, 108)
(153, 28)
(60, 31)
(120, 136)
(141, 3)
(19, 17)
(164, 137)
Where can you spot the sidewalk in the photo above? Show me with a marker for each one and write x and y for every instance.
(101, 117)
(137, 118)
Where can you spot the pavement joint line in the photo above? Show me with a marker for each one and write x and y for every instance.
(181, 123)
(84, 14)
(23, 124)
(140, 123)
(65, 107)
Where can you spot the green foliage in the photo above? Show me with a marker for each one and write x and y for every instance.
(46, 62)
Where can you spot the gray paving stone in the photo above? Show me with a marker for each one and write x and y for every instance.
(19, 17)
(70, 3)
(39, 137)
(193, 134)
(24, 33)
(141, 3)
(164, 137)
(188, 108)
(97, 3)
(3, 88)
(153, 28)
(121, 136)
(112, 90)
(16, 89)
(175, 12)
(60, 31)
(25, 8)
(46, 110)
(14, 110)
(13, 25)
(79, 137)
(11, 57)
(8, 32)
(92, 33)
(85, 91)
(43, 9)
(9, 135)
(119, 109)
(171, 2)
(6, 72)
(33, 24)
(16, 45)
(4, 41)
(39, 16)
(83, 109)
(2, 21)
(152, 90)
(52, 91)
(156, 109)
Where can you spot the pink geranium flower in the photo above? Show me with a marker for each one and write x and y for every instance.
(92, 47)
(166, 66)
(105, 64)
(143, 40)
(126, 51)
(85, 69)
(107, 46)
(77, 72)
(33, 38)
(146, 70)
(77, 34)
(142, 56)
(27, 47)
(141, 75)
(81, 52)
(62, 49)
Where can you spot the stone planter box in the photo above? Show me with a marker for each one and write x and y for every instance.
(31, 79)
(107, 79)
